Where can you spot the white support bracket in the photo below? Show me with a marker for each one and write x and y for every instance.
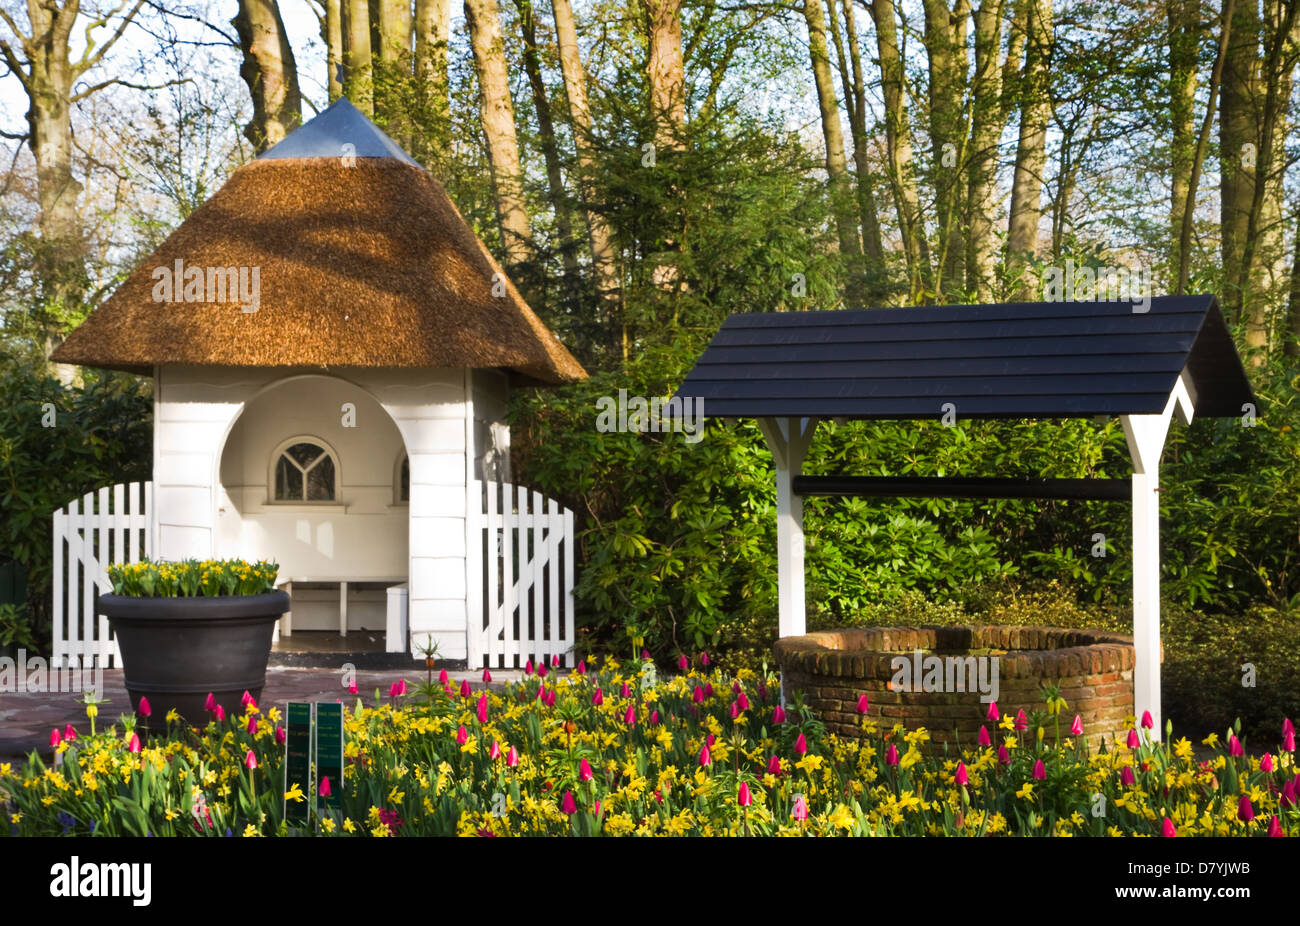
(1146, 441)
(788, 439)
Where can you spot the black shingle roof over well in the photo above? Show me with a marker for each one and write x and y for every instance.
(1014, 360)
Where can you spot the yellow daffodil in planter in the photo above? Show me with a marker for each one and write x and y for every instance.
(194, 635)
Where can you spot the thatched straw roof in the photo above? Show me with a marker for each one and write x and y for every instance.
(361, 260)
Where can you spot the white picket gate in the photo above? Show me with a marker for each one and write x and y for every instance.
(527, 585)
(109, 526)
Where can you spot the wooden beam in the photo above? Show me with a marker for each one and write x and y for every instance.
(962, 487)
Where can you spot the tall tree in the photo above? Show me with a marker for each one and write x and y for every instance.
(1238, 150)
(598, 231)
(833, 136)
(946, 32)
(497, 114)
(1031, 147)
(357, 55)
(898, 148)
(432, 35)
(391, 20)
(665, 70)
(270, 72)
(1184, 41)
(987, 121)
(331, 33)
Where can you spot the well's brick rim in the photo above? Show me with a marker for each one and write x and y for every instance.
(1032, 652)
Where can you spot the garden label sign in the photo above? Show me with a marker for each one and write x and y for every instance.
(297, 759)
(329, 755)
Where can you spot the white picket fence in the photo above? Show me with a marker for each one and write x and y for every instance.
(527, 585)
(109, 526)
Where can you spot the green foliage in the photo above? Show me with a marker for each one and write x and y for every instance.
(192, 579)
(99, 434)
(15, 627)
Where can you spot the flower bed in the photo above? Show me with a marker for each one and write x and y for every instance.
(1091, 670)
(615, 752)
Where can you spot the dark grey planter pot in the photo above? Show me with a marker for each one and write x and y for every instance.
(176, 651)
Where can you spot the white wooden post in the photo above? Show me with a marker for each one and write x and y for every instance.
(1146, 441)
(788, 439)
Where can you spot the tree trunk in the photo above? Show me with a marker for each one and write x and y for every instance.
(945, 44)
(666, 71)
(497, 114)
(1292, 345)
(833, 136)
(1238, 149)
(898, 143)
(393, 18)
(432, 35)
(269, 70)
(357, 78)
(550, 150)
(575, 89)
(1031, 149)
(855, 95)
(332, 35)
(987, 122)
(1184, 37)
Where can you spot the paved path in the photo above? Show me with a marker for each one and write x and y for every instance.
(26, 718)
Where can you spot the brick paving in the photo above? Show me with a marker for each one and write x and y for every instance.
(26, 718)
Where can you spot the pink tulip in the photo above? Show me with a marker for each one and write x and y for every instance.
(863, 704)
(629, 716)
(734, 710)
(742, 702)
(324, 789)
(645, 654)
(541, 669)
(1274, 827)
(550, 698)
(708, 689)
(774, 765)
(392, 690)
(1004, 757)
(144, 710)
(1266, 763)
(134, 744)
(778, 714)
(252, 725)
(698, 695)
(762, 691)
(1040, 771)
(735, 687)
(1147, 722)
(1287, 726)
(891, 755)
(220, 713)
(245, 698)
(1076, 728)
(584, 771)
(401, 686)
(528, 668)
(442, 677)
(1126, 776)
(1168, 829)
(800, 745)
(210, 703)
(250, 760)
(1234, 746)
(800, 811)
(705, 758)
(654, 718)
(482, 708)
(1245, 812)
(555, 660)
(464, 688)
(568, 805)
(69, 733)
(598, 698)
(582, 667)
(984, 738)
(280, 736)
(1133, 741)
(462, 736)
(1022, 722)
(512, 757)
(682, 664)
(961, 778)
(55, 739)
(993, 716)
(495, 751)
(352, 689)
(743, 797)
(704, 660)
(1288, 741)
(487, 677)
(625, 691)
(709, 738)
(1288, 795)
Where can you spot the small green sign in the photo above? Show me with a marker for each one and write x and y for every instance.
(329, 754)
(297, 760)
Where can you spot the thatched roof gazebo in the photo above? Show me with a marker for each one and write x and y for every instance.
(332, 348)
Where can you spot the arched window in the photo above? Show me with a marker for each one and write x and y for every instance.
(402, 481)
(305, 471)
